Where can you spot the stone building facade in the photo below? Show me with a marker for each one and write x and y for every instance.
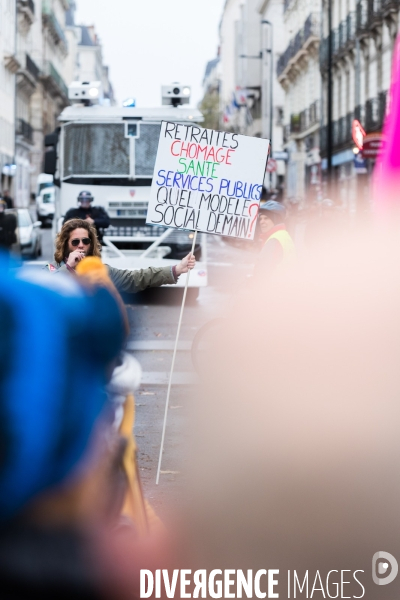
(40, 51)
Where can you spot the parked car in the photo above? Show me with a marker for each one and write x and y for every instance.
(45, 205)
(44, 181)
(30, 236)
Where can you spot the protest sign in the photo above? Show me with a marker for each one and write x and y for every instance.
(207, 180)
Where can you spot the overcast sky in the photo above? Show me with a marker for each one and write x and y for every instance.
(148, 43)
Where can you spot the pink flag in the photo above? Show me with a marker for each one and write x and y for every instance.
(386, 181)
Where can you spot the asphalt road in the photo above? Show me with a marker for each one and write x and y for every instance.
(154, 318)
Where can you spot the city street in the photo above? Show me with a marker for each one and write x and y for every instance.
(153, 320)
(243, 155)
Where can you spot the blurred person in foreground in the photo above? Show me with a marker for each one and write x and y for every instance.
(57, 481)
(77, 239)
(293, 442)
(61, 482)
(136, 512)
(325, 223)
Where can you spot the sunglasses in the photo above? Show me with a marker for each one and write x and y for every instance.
(85, 241)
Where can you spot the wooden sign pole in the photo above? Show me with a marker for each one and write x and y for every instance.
(173, 364)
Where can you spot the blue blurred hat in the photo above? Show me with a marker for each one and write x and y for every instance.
(274, 207)
(56, 343)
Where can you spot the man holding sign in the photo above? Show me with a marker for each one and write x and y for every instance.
(206, 180)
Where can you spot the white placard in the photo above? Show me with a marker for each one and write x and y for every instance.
(207, 180)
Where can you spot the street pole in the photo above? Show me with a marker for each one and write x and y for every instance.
(13, 185)
(357, 78)
(270, 50)
(329, 102)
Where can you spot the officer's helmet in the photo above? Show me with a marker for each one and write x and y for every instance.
(85, 197)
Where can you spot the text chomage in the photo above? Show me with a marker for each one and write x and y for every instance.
(197, 151)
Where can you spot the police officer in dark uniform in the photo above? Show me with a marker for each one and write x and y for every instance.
(96, 215)
(7, 199)
(8, 227)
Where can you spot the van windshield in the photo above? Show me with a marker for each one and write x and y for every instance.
(103, 149)
(48, 184)
(47, 198)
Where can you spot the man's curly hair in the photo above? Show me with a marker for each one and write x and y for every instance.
(62, 239)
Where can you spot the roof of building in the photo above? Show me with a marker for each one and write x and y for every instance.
(69, 18)
(210, 66)
(70, 14)
(86, 39)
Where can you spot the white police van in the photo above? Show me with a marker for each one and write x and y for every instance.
(110, 151)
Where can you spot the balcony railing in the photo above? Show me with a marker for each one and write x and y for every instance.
(342, 40)
(313, 113)
(53, 80)
(390, 5)
(32, 67)
(346, 31)
(309, 116)
(300, 122)
(374, 10)
(370, 13)
(286, 134)
(361, 17)
(295, 123)
(341, 133)
(323, 140)
(23, 4)
(359, 113)
(27, 65)
(375, 110)
(309, 29)
(371, 116)
(51, 21)
(25, 130)
(303, 120)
